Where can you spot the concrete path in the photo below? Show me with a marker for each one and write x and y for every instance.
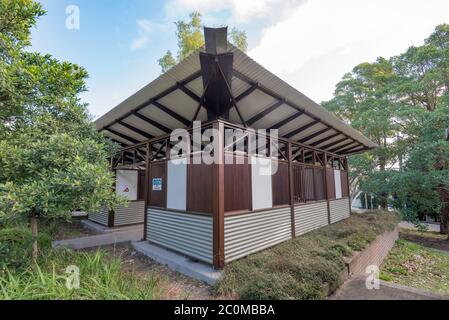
(355, 289)
(178, 262)
(100, 240)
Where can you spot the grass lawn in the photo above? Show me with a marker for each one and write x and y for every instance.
(307, 267)
(417, 266)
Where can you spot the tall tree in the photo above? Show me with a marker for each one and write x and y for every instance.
(190, 38)
(52, 158)
(403, 105)
(363, 99)
(423, 84)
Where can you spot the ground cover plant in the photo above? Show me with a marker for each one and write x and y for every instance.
(308, 267)
(416, 266)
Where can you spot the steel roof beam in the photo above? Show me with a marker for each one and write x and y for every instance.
(136, 130)
(171, 113)
(342, 146)
(265, 112)
(152, 122)
(305, 127)
(247, 92)
(160, 96)
(353, 149)
(316, 134)
(325, 139)
(287, 120)
(335, 143)
(121, 135)
(276, 96)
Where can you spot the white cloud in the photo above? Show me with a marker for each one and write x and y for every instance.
(321, 40)
(242, 11)
(145, 28)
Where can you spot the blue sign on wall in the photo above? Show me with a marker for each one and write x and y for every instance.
(157, 184)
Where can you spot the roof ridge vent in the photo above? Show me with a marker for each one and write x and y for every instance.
(216, 40)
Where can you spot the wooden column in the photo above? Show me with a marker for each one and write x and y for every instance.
(111, 216)
(345, 159)
(291, 187)
(325, 188)
(218, 196)
(147, 190)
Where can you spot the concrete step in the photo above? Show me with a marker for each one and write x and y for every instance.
(178, 262)
(99, 240)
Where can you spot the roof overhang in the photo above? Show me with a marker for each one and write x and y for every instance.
(261, 100)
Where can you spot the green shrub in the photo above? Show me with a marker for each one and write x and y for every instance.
(308, 267)
(16, 246)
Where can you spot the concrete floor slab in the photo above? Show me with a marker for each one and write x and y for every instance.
(355, 289)
(178, 262)
(99, 228)
(100, 240)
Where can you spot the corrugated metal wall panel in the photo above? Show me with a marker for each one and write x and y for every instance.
(339, 209)
(133, 214)
(309, 217)
(183, 232)
(101, 217)
(248, 233)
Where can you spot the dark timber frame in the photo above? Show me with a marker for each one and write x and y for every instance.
(298, 155)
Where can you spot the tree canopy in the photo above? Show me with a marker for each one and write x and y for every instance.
(402, 104)
(190, 38)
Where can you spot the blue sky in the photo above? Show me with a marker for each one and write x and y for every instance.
(310, 44)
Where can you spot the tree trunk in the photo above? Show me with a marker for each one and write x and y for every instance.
(444, 224)
(384, 195)
(33, 221)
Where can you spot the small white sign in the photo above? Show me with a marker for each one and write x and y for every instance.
(126, 184)
(157, 184)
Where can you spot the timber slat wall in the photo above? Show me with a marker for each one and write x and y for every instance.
(281, 193)
(199, 188)
(237, 184)
(252, 232)
(186, 233)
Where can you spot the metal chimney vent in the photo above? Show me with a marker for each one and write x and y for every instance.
(216, 40)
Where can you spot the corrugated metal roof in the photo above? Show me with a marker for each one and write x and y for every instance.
(271, 88)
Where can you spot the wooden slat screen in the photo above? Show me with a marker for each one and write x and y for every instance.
(200, 188)
(298, 177)
(280, 185)
(237, 189)
(319, 184)
(309, 184)
(330, 184)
